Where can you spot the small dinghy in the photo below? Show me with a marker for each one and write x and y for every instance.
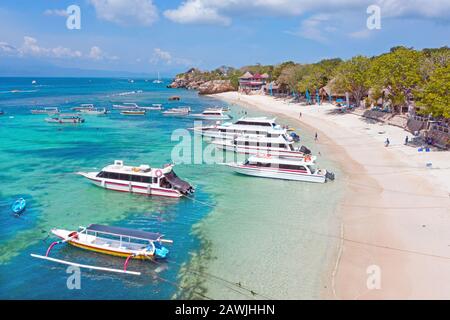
(18, 206)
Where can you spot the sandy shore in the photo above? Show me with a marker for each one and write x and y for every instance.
(396, 214)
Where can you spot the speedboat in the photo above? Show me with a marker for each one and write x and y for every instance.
(48, 111)
(282, 168)
(279, 146)
(256, 127)
(177, 111)
(19, 206)
(126, 106)
(65, 118)
(133, 112)
(141, 180)
(114, 241)
(211, 114)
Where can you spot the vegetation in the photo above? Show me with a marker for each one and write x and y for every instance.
(399, 77)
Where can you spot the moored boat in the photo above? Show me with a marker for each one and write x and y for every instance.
(114, 241)
(19, 206)
(126, 106)
(142, 180)
(48, 110)
(211, 114)
(65, 118)
(94, 111)
(303, 169)
(133, 112)
(154, 106)
(177, 111)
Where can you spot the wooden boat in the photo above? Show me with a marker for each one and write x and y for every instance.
(65, 118)
(114, 241)
(282, 168)
(19, 206)
(94, 111)
(133, 112)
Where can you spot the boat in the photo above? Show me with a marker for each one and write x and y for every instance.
(158, 80)
(246, 126)
(177, 111)
(19, 206)
(33, 82)
(48, 111)
(278, 146)
(142, 180)
(211, 114)
(65, 118)
(115, 241)
(133, 112)
(302, 169)
(174, 98)
(94, 111)
(155, 106)
(85, 106)
(126, 106)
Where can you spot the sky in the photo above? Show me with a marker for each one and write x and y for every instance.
(150, 36)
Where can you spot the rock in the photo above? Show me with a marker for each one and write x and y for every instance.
(215, 86)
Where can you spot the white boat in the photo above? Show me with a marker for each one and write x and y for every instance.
(134, 112)
(94, 111)
(65, 118)
(126, 106)
(247, 126)
(49, 110)
(211, 114)
(155, 106)
(277, 146)
(177, 111)
(282, 168)
(158, 80)
(85, 106)
(141, 180)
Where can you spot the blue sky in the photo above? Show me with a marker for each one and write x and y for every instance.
(171, 36)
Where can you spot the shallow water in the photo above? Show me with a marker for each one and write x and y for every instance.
(271, 236)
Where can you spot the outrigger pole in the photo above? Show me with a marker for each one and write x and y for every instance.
(84, 265)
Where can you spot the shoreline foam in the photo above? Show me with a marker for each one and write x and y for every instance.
(396, 215)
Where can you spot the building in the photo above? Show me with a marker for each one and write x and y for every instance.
(252, 83)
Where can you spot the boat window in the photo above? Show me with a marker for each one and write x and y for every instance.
(292, 167)
(124, 177)
(135, 178)
(291, 147)
(311, 169)
(113, 175)
(101, 174)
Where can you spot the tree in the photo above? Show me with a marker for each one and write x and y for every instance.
(399, 72)
(435, 96)
(352, 76)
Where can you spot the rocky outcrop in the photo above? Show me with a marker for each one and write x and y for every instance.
(215, 86)
(194, 79)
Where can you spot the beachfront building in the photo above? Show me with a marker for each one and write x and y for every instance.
(252, 83)
(276, 90)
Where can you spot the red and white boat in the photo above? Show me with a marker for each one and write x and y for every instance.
(141, 180)
(282, 168)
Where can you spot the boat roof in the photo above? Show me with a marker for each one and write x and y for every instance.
(151, 236)
(258, 119)
(277, 139)
(143, 170)
(281, 160)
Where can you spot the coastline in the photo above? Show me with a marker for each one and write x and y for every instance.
(408, 245)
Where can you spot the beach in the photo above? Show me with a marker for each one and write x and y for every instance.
(394, 217)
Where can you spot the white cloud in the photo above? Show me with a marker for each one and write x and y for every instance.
(361, 34)
(31, 47)
(126, 12)
(221, 11)
(7, 48)
(166, 57)
(96, 53)
(56, 12)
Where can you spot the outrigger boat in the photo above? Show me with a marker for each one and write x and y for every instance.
(48, 111)
(94, 111)
(85, 106)
(177, 111)
(115, 241)
(279, 146)
(155, 106)
(211, 114)
(282, 168)
(126, 106)
(141, 180)
(65, 118)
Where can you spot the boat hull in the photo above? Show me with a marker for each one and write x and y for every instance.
(209, 118)
(131, 187)
(275, 173)
(254, 150)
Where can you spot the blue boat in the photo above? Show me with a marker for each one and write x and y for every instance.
(18, 206)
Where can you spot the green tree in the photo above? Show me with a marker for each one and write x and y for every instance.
(435, 96)
(352, 76)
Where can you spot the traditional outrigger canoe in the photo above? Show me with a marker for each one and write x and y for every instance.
(115, 241)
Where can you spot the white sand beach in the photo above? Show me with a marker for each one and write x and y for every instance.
(396, 212)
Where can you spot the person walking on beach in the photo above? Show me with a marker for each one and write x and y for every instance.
(316, 137)
(387, 142)
(300, 115)
(406, 140)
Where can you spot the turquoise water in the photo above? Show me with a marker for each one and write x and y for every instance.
(271, 236)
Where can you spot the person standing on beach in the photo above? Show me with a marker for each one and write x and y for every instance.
(387, 142)
(406, 140)
(300, 115)
(316, 137)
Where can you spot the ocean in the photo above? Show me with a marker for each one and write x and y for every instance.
(237, 237)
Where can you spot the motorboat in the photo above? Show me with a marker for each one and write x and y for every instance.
(65, 118)
(154, 106)
(211, 114)
(94, 111)
(140, 180)
(48, 110)
(177, 111)
(302, 169)
(133, 112)
(126, 106)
